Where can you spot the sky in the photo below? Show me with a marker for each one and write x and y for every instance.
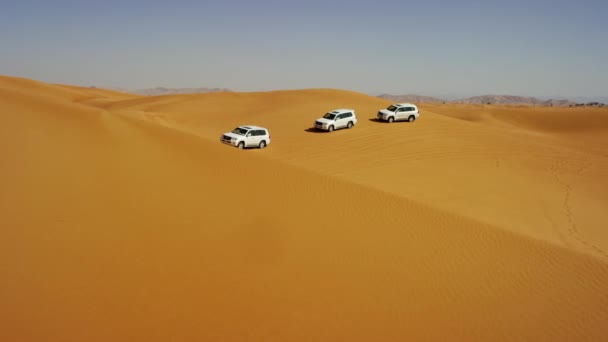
(438, 48)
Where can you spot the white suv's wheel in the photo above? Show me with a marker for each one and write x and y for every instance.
(262, 144)
(241, 145)
(350, 124)
(391, 118)
(331, 128)
(411, 118)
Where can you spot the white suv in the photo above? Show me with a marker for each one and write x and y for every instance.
(336, 119)
(247, 136)
(399, 112)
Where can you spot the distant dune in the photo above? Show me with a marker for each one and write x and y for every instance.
(124, 219)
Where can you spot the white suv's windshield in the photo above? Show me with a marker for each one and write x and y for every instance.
(239, 131)
(329, 116)
(391, 108)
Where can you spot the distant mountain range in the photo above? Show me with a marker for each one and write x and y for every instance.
(411, 98)
(490, 99)
(483, 99)
(169, 91)
(157, 91)
(512, 100)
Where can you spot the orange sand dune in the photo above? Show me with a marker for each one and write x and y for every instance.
(490, 163)
(115, 228)
(584, 128)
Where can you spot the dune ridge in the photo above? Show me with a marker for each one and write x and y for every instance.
(116, 228)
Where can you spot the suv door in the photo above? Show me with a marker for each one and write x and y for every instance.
(260, 135)
(340, 122)
(348, 117)
(410, 111)
(250, 138)
(415, 111)
(401, 114)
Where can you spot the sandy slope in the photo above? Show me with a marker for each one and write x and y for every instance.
(116, 229)
(535, 171)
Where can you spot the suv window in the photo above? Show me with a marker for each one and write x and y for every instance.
(240, 131)
(261, 132)
(411, 109)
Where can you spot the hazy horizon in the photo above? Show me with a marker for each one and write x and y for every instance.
(435, 48)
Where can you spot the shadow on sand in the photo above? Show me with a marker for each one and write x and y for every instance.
(314, 130)
(386, 122)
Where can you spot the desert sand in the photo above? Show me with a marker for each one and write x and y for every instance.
(122, 218)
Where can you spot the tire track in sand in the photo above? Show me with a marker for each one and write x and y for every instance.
(573, 229)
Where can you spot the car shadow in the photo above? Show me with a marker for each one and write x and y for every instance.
(386, 122)
(314, 130)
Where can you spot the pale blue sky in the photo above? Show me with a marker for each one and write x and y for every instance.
(537, 48)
